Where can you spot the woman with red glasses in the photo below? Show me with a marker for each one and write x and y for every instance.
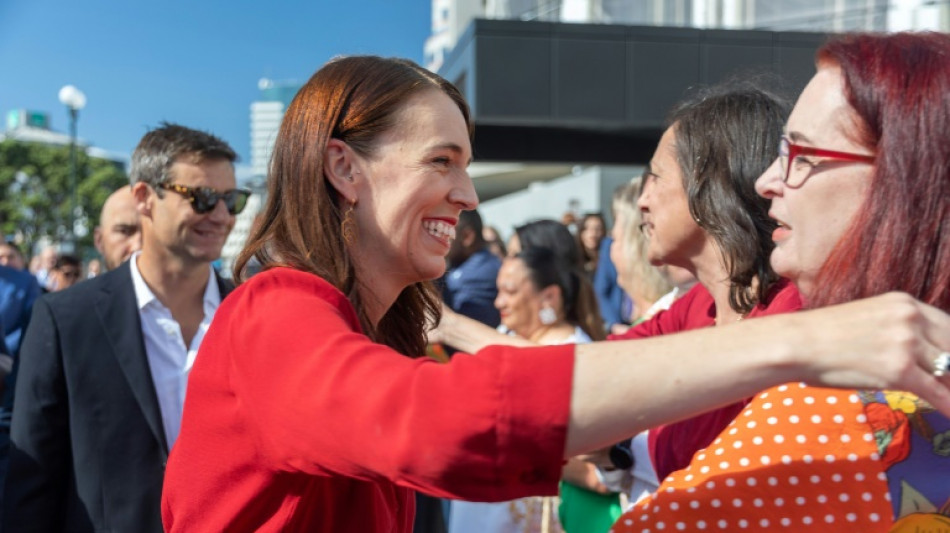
(861, 194)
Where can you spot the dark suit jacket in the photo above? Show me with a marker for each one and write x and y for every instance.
(88, 447)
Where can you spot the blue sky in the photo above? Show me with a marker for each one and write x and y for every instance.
(193, 62)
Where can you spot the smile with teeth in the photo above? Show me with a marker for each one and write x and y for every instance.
(208, 232)
(439, 229)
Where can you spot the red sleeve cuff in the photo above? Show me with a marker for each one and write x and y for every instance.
(532, 420)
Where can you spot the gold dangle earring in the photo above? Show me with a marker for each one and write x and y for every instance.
(347, 226)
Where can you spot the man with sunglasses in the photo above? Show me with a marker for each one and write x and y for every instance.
(105, 364)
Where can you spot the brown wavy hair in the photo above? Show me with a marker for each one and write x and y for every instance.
(642, 280)
(726, 136)
(354, 99)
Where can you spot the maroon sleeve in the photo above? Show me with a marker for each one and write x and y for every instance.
(324, 399)
(690, 311)
(783, 298)
(672, 446)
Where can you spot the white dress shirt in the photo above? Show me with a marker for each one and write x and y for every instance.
(168, 358)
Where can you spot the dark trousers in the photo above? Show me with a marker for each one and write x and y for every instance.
(429, 516)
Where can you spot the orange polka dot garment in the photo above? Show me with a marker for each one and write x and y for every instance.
(810, 459)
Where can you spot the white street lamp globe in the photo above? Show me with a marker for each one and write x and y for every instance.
(72, 97)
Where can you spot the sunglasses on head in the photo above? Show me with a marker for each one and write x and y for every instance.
(204, 199)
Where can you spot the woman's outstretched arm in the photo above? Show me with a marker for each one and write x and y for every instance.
(623, 387)
(469, 335)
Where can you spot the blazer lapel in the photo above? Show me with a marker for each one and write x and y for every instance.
(118, 310)
(225, 286)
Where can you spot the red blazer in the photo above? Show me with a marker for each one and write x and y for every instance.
(296, 421)
(673, 445)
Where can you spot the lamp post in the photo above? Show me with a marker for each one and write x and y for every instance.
(74, 100)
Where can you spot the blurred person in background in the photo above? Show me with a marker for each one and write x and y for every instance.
(591, 231)
(11, 256)
(119, 233)
(495, 243)
(616, 307)
(546, 233)
(585, 503)
(569, 220)
(539, 299)
(651, 288)
(18, 291)
(469, 286)
(93, 268)
(860, 195)
(554, 236)
(67, 271)
(42, 266)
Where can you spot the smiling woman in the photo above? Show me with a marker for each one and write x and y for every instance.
(308, 408)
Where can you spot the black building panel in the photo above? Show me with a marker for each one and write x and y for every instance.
(728, 53)
(511, 78)
(589, 73)
(658, 76)
(587, 93)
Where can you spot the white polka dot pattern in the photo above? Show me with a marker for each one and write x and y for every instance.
(798, 458)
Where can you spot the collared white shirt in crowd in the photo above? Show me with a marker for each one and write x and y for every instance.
(168, 358)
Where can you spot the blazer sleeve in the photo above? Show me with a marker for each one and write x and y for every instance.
(38, 472)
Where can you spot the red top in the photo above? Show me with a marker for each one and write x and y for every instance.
(296, 421)
(673, 445)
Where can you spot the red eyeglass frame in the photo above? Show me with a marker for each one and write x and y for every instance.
(793, 150)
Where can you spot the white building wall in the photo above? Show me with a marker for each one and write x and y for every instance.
(242, 230)
(916, 15)
(587, 190)
(580, 11)
(801, 15)
(265, 122)
(450, 18)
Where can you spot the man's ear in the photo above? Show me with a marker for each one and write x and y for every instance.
(97, 238)
(338, 167)
(144, 198)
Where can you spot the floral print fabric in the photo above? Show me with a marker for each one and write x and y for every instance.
(802, 458)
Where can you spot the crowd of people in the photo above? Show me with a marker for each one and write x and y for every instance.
(760, 338)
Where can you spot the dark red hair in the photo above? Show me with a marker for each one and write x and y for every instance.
(899, 88)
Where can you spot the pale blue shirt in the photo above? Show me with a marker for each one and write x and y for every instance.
(168, 359)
